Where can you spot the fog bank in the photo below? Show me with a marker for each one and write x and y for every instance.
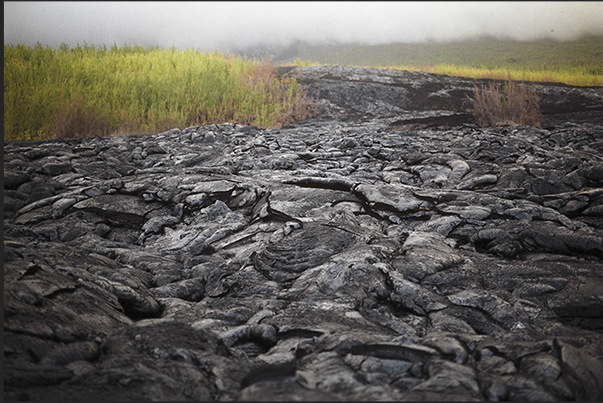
(222, 25)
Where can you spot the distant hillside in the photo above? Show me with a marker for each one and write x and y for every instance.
(486, 51)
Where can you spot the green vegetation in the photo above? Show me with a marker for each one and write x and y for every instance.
(88, 91)
(580, 76)
(577, 62)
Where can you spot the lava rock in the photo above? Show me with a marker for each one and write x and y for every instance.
(387, 249)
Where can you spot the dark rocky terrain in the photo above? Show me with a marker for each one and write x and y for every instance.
(387, 249)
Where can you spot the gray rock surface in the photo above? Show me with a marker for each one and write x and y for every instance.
(387, 249)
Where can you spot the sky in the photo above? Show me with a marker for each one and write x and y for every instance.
(222, 25)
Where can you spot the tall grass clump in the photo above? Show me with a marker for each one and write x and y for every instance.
(88, 91)
(505, 104)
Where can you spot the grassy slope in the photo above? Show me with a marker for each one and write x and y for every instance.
(582, 57)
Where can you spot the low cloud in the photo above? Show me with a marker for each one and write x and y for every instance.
(224, 25)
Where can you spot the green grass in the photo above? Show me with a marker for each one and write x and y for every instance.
(569, 75)
(577, 62)
(88, 91)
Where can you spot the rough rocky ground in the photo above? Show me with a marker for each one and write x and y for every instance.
(387, 250)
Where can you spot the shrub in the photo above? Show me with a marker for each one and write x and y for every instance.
(507, 104)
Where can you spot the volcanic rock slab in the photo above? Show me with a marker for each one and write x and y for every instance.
(387, 249)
